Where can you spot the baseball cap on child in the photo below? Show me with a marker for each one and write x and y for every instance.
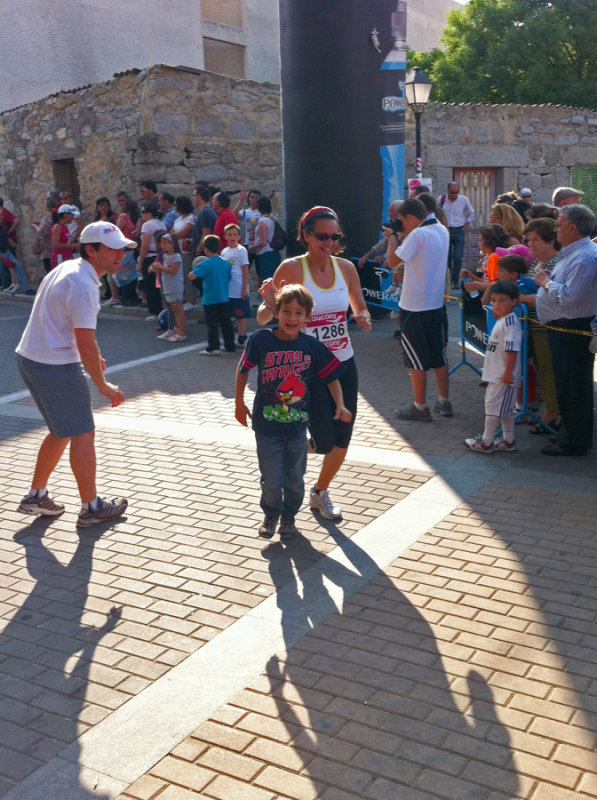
(102, 232)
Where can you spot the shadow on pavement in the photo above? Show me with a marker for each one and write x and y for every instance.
(45, 657)
(371, 676)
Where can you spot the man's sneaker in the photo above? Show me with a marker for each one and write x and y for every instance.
(500, 445)
(44, 506)
(166, 334)
(188, 306)
(105, 511)
(413, 413)
(288, 529)
(444, 407)
(268, 527)
(151, 318)
(208, 352)
(478, 445)
(241, 340)
(175, 337)
(322, 502)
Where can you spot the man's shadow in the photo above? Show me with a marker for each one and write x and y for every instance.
(45, 658)
(378, 660)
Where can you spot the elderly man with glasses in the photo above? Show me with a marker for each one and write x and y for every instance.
(460, 214)
(567, 300)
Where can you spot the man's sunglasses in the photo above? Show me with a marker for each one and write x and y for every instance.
(323, 237)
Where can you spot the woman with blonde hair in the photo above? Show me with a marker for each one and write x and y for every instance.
(510, 219)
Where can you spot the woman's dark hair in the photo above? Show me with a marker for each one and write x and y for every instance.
(184, 204)
(307, 222)
(147, 208)
(97, 205)
(132, 210)
(545, 229)
(542, 210)
(493, 236)
(264, 205)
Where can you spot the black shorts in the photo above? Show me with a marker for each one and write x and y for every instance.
(424, 338)
(325, 431)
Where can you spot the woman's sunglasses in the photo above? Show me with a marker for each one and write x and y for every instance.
(323, 237)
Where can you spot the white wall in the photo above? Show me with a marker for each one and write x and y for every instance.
(425, 21)
(48, 46)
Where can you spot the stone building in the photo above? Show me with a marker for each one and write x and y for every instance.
(491, 149)
(42, 53)
(171, 125)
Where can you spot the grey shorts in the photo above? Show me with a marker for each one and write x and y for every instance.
(61, 393)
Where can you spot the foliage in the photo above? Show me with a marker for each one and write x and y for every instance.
(516, 51)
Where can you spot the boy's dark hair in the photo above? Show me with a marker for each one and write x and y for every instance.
(513, 263)
(294, 291)
(151, 185)
(414, 207)
(212, 243)
(428, 201)
(509, 288)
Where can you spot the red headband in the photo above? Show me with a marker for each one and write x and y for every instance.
(317, 210)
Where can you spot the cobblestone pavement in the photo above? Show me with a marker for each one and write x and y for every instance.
(439, 643)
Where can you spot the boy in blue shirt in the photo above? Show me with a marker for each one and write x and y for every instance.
(215, 272)
(288, 361)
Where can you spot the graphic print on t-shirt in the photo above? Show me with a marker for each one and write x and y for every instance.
(284, 393)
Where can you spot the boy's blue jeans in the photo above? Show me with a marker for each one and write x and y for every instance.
(282, 463)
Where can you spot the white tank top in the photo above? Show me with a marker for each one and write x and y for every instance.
(328, 321)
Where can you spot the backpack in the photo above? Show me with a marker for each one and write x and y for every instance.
(279, 238)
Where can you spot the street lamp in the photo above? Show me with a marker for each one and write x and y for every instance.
(417, 89)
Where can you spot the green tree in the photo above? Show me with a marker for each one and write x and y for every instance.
(517, 51)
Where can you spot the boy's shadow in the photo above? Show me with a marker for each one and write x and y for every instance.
(46, 655)
(376, 657)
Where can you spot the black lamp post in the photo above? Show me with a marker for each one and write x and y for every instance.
(417, 89)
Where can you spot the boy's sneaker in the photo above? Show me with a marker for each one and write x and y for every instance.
(241, 340)
(105, 511)
(44, 506)
(210, 352)
(268, 527)
(322, 502)
(288, 529)
(444, 407)
(413, 413)
(500, 445)
(478, 445)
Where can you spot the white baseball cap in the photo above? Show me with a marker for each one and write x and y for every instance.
(66, 209)
(102, 232)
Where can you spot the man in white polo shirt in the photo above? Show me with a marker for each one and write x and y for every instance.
(421, 258)
(57, 343)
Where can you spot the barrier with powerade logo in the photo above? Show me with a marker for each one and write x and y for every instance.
(476, 324)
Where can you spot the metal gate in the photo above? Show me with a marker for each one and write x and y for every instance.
(478, 184)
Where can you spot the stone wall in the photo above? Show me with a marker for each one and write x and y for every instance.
(171, 125)
(532, 146)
